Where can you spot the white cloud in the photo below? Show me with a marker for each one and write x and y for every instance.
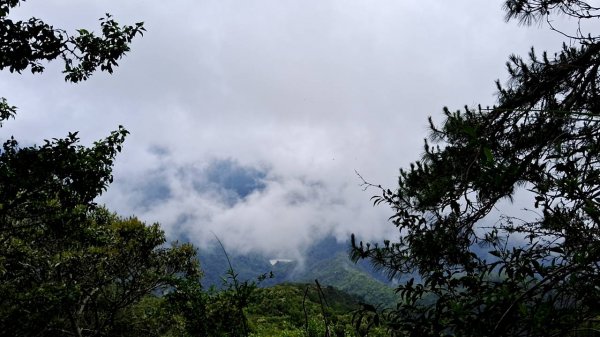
(307, 91)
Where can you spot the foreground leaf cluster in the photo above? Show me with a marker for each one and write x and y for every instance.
(67, 266)
(482, 272)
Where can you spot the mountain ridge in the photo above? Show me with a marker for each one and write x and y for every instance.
(326, 261)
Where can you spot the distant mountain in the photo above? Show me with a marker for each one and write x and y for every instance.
(326, 260)
(247, 267)
(341, 273)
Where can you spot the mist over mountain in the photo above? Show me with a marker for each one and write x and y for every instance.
(326, 261)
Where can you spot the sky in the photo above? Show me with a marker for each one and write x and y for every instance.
(249, 119)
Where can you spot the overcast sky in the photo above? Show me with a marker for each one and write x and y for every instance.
(248, 118)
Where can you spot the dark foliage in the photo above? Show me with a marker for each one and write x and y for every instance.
(26, 44)
(67, 266)
(541, 140)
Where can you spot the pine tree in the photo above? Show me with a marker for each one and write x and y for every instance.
(538, 274)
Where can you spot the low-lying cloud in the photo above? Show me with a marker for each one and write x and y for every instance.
(249, 118)
(250, 208)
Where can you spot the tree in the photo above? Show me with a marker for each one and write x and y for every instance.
(25, 44)
(531, 274)
(86, 281)
(67, 266)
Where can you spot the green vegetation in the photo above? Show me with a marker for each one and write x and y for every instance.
(284, 310)
(67, 266)
(71, 268)
(541, 141)
(26, 44)
(342, 274)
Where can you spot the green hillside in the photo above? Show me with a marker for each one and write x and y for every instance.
(326, 261)
(341, 273)
(301, 310)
